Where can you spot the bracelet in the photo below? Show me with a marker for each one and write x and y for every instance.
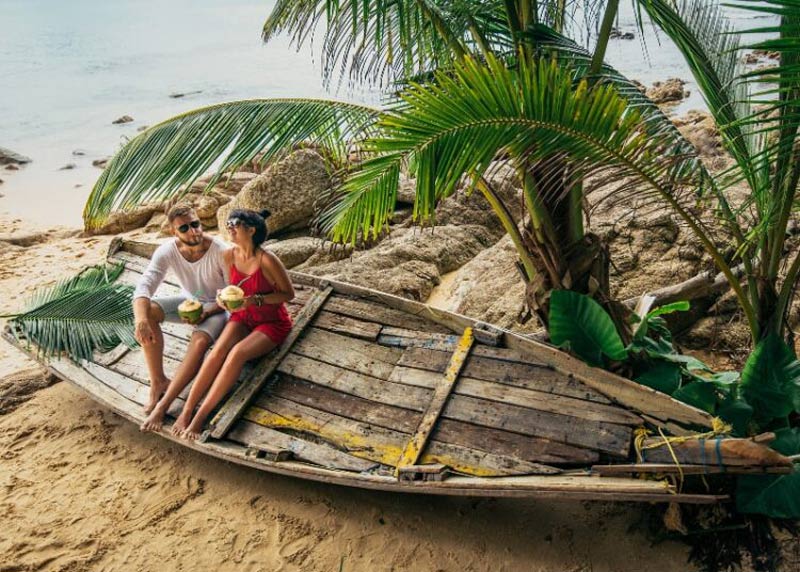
(259, 299)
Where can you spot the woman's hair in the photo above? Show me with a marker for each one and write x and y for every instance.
(253, 219)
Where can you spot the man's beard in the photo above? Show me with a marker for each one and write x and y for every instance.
(197, 242)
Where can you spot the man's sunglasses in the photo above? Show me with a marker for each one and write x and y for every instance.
(185, 227)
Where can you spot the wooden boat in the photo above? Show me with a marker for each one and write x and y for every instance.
(375, 391)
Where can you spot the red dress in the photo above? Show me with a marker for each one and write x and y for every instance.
(272, 320)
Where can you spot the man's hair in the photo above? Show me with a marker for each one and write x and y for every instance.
(180, 210)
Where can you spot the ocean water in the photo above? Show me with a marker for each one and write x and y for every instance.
(68, 69)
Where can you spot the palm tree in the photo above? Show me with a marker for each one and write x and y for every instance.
(491, 82)
(480, 84)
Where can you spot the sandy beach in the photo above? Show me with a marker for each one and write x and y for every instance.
(83, 489)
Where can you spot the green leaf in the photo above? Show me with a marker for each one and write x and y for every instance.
(738, 413)
(699, 394)
(579, 323)
(662, 376)
(775, 496)
(79, 315)
(164, 160)
(681, 306)
(771, 380)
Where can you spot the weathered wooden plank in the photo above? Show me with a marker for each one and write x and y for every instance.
(722, 451)
(524, 376)
(235, 405)
(380, 444)
(404, 338)
(505, 443)
(348, 326)
(320, 454)
(414, 447)
(392, 415)
(132, 364)
(686, 469)
(344, 405)
(539, 400)
(353, 383)
(355, 355)
(379, 313)
(111, 356)
(609, 438)
(624, 391)
(129, 388)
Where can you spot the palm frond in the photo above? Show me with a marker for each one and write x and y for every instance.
(383, 41)
(712, 49)
(456, 126)
(79, 315)
(161, 162)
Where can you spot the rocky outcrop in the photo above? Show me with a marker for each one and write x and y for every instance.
(289, 189)
(295, 251)
(668, 91)
(123, 221)
(9, 157)
(410, 261)
(701, 130)
(490, 288)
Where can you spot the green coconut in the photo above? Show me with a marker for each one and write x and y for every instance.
(190, 310)
(232, 297)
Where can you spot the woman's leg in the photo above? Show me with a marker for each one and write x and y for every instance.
(254, 345)
(233, 332)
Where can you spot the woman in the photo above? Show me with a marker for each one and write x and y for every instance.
(254, 329)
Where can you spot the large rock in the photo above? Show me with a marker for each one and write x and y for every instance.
(123, 221)
(295, 251)
(489, 288)
(289, 189)
(410, 261)
(472, 209)
(668, 91)
(9, 157)
(701, 130)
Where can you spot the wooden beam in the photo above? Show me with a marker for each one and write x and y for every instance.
(235, 406)
(416, 444)
(672, 468)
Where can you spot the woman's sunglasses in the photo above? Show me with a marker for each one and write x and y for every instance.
(234, 222)
(185, 227)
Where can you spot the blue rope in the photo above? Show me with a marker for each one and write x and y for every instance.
(719, 456)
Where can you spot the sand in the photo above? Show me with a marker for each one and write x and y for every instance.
(83, 489)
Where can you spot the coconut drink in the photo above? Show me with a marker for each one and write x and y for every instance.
(232, 297)
(190, 310)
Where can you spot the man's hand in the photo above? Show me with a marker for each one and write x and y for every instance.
(144, 333)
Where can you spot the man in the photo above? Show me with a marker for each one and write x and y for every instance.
(196, 260)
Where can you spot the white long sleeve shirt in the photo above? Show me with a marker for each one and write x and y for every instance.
(200, 279)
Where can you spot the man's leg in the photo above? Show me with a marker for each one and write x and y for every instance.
(198, 344)
(154, 357)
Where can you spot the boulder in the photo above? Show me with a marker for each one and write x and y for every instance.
(9, 157)
(295, 251)
(289, 189)
(228, 185)
(123, 221)
(123, 119)
(668, 91)
(701, 130)
(489, 288)
(410, 261)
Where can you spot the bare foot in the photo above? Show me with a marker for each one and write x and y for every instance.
(157, 389)
(154, 421)
(181, 423)
(192, 432)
